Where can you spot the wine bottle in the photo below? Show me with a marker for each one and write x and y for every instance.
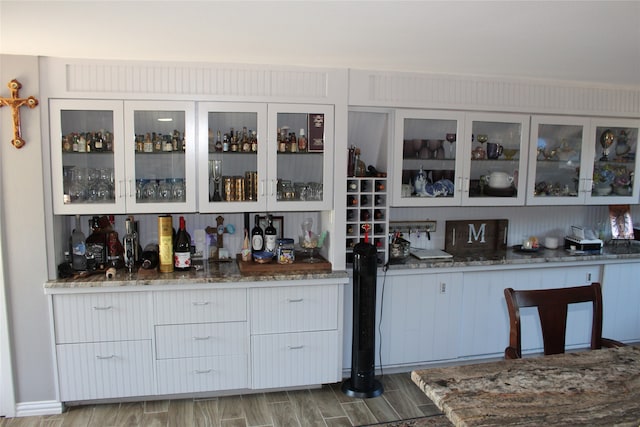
(257, 237)
(270, 236)
(96, 243)
(78, 248)
(182, 248)
(150, 257)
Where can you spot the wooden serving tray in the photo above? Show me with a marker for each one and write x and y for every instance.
(299, 266)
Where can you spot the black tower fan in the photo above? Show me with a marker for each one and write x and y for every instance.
(362, 383)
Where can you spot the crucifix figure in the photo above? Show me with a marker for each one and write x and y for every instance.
(15, 102)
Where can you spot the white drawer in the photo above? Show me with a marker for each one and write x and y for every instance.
(202, 374)
(200, 306)
(285, 360)
(201, 339)
(102, 317)
(294, 309)
(105, 370)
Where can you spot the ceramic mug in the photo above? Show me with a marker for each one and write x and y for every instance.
(494, 150)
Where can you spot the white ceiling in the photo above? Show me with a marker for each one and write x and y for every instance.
(586, 41)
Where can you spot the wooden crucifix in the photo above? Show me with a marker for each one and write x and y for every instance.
(15, 102)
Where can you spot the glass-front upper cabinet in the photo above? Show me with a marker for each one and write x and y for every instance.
(612, 161)
(427, 158)
(122, 157)
(87, 155)
(232, 157)
(265, 157)
(300, 158)
(556, 152)
(495, 159)
(574, 160)
(160, 148)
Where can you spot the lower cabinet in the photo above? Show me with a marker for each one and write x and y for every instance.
(295, 335)
(144, 343)
(620, 297)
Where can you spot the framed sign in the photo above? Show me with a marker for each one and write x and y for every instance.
(316, 132)
(476, 237)
(621, 222)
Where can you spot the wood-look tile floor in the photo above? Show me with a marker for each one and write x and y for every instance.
(325, 407)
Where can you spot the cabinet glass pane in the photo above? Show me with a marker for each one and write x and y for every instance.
(495, 157)
(233, 157)
(428, 158)
(558, 155)
(614, 161)
(300, 163)
(87, 156)
(160, 156)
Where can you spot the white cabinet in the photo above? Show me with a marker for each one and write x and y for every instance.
(448, 158)
(420, 318)
(485, 319)
(569, 165)
(201, 340)
(620, 296)
(103, 345)
(103, 161)
(269, 172)
(295, 335)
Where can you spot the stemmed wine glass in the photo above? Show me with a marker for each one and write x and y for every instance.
(215, 173)
(482, 138)
(451, 137)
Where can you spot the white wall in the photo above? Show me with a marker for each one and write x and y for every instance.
(23, 233)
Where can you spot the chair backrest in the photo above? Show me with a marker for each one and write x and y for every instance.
(552, 307)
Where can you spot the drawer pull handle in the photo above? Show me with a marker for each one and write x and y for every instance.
(202, 371)
(296, 347)
(201, 338)
(295, 299)
(200, 303)
(105, 357)
(106, 307)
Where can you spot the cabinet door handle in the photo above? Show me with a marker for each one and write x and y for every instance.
(102, 308)
(272, 187)
(295, 299)
(296, 347)
(200, 303)
(132, 188)
(261, 186)
(202, 371)
(201, 338)
(121, 185)
(112, 356)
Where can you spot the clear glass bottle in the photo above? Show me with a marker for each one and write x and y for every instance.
(78, 248)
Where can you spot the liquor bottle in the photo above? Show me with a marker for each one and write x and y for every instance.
(96, 243)
(165, 243)
(150, 257)
(182, 248)
(270, 236)
(98, 142)
(254, 141)
(78, 248)
(114, 247)
(257, 236)
(129, 244)
(302, 141)
(225, 143)
(219, 141)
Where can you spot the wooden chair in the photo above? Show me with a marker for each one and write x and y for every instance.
(552, 307)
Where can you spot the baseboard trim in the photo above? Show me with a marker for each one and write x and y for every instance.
(46, 407)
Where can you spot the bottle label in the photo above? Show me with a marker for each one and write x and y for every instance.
(182, 259)
(270, 243)
(256, 242)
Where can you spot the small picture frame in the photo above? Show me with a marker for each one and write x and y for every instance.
(278, 224)
(315, 136)
(621, 222)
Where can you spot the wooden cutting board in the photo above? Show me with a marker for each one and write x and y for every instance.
(299, 266)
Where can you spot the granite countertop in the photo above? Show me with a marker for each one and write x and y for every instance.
(211, 272)
(512, 256)
(598, 387)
